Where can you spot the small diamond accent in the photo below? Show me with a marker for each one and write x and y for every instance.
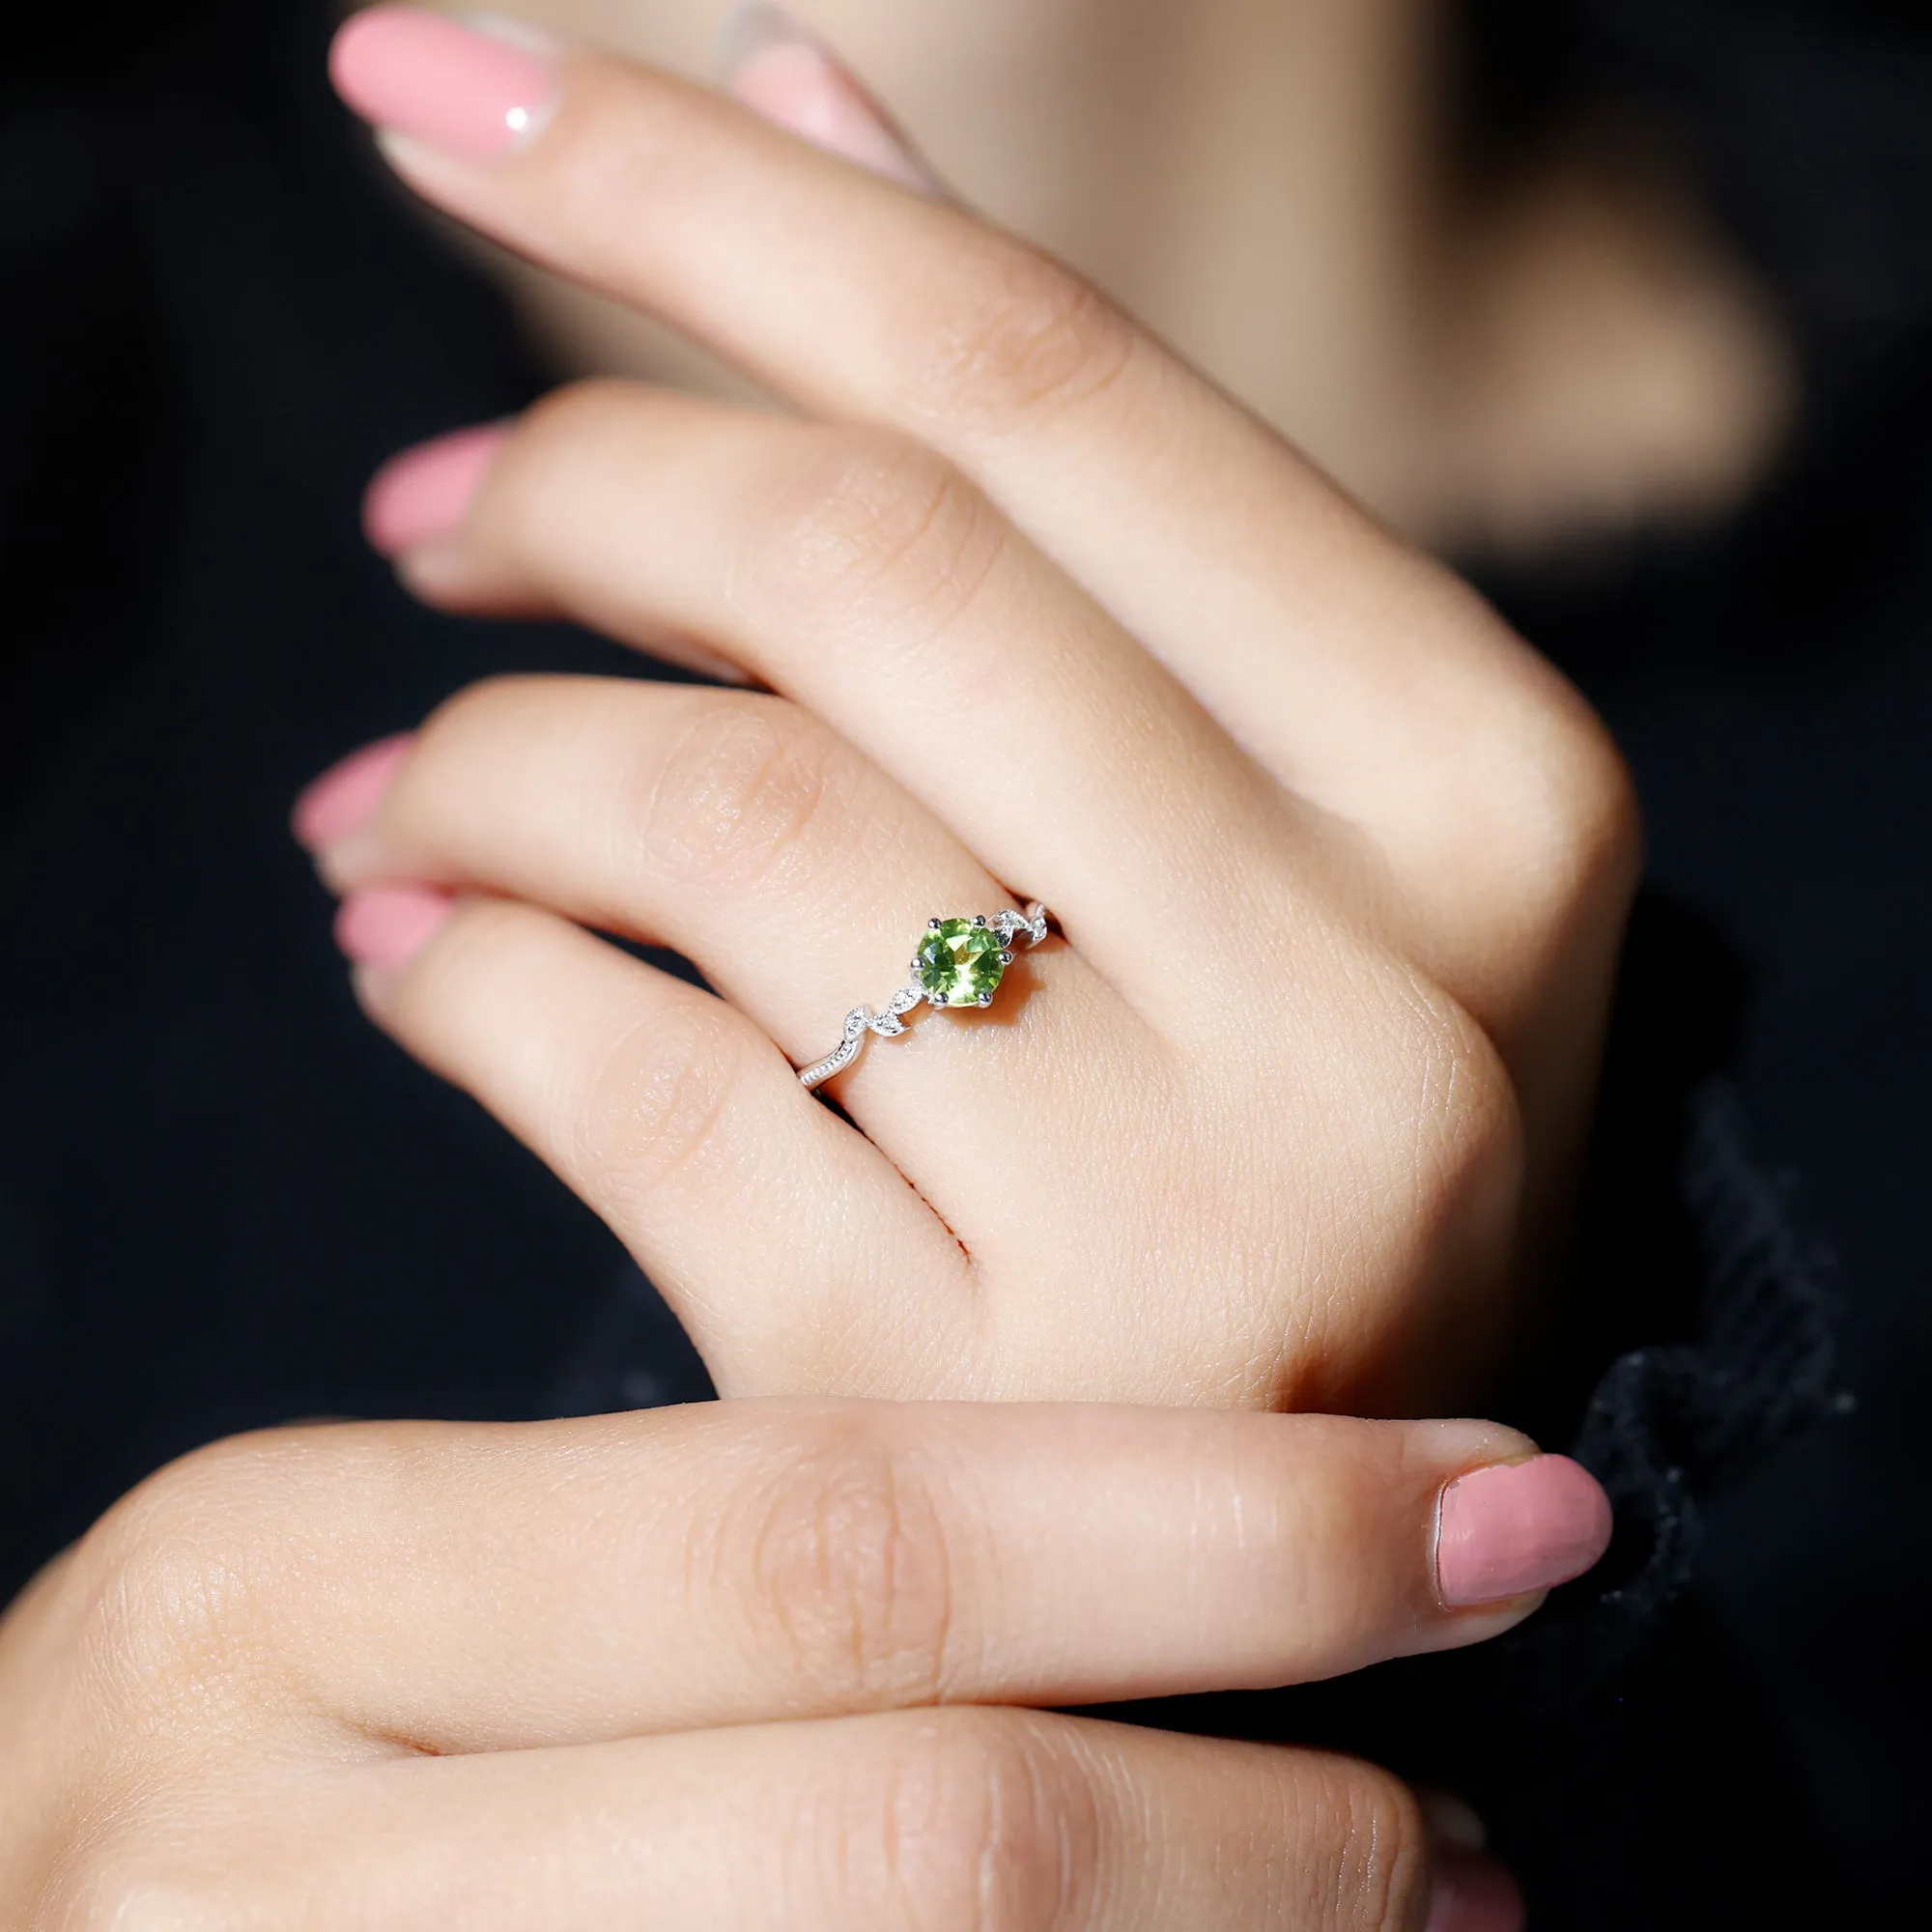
(960, 962)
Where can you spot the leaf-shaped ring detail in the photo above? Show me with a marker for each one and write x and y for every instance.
(960, 962)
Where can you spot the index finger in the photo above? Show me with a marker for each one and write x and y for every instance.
(1361, 673)
(469, 1588)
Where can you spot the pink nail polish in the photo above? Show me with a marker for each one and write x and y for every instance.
(1519, 1528)
(1468, 1892)
(778, 69)
(469, 89)
(385, 926)
(345, 797)
(426, 492)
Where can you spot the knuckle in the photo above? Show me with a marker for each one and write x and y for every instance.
(1542, 802)
(1597, 810)
(175, 1588)
(842, 1564)
(527, 516)
(731, 803)
(565, 416)
(1567, 813)
(1470, 1142)
(969, 1821)
(873, 529)
(1362, 1845)
(1435, 1100)
(479, 710)
(131, 1887)
(1019, 338)
(184, 1852)
(1439, 1126)
(1470, 1098)
(660, 1101)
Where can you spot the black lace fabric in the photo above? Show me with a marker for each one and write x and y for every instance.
(1674, 1421)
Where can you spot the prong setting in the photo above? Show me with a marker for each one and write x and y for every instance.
(960, 966)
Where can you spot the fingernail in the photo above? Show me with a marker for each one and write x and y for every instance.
(779, 69)
(474, 90)
(1468, 1892)
(1519, 1528)
(1448, 1821)
(426, 492)
(345, 797)
(385, 926)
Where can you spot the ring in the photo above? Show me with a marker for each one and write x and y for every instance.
(960, 962)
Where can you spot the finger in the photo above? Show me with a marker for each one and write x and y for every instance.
(466, 1589)
(857, 574)
(1369, 678)
(776, 1231)
(890, 1822)
(936, 1819)
(739, 830)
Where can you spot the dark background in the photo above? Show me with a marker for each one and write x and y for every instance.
(224, 1200)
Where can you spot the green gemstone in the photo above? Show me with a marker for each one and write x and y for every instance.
(960, 963)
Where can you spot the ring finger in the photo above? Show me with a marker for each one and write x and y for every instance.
(740, 831)
(861, 576)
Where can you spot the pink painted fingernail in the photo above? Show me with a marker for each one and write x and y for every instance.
(779, 69)
(1518, 1527)
(385, 926)
(345, 797)
(472, 89)
(426, 492)
(1468, 1892)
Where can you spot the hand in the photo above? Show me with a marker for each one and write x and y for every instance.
(742, 1665)
(1341, 865)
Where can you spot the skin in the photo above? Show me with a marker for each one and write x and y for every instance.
(739, 1665)
(1340, 864)
(1512, 362)
(261, 1693)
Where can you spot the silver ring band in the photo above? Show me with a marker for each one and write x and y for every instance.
(960, 962)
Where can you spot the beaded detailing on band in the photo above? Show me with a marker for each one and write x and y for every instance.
(960, 962)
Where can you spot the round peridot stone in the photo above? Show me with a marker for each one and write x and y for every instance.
(960, 963)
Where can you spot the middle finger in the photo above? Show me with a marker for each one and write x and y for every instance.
(863, 576)
(738, 830)
(1321, 643)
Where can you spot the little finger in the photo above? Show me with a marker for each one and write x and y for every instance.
(777, 1232)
